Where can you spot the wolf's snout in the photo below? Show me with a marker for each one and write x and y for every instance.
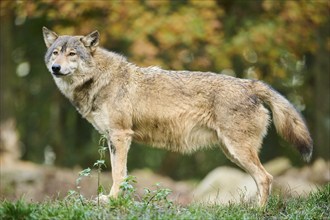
(56, 68)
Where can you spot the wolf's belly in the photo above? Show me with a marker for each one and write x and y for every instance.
(181, 137)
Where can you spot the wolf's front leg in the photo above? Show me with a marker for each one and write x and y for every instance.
(120, 141)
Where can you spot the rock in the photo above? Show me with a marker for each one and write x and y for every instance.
(293, 186)
(301, 182)
(320, 171)
(278, 166)
(35, 182)
(225, 185)
(9, 143)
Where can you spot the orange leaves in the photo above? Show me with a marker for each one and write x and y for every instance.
(194, 34)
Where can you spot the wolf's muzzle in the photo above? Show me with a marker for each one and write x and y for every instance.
(56, 70)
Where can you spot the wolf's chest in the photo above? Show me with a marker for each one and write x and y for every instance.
(100, 120)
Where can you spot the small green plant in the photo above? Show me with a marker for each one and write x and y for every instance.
(126, 197)
(99, 164)
(127, 187)
(83, 173)
(157, 197)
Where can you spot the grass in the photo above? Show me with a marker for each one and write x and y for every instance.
(154, 204)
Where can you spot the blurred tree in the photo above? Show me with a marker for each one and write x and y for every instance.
(321, 91)
(6, 66)
(285, 43)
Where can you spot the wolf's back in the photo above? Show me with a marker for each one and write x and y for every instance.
(288, 121)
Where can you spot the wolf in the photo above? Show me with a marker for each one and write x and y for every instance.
(180, 111)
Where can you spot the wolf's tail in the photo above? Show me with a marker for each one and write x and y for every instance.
(288, 121)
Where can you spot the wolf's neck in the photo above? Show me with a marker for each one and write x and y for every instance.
(78, 90)
(65, 86)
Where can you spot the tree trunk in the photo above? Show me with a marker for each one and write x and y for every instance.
(6, 67)
(321, 95)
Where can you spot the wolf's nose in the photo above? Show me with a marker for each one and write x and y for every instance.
(56, 68)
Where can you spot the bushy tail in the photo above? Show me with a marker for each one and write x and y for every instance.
(288, 121)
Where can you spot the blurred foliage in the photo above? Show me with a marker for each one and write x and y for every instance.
(285, 43)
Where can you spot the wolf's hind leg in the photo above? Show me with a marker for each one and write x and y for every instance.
(247, 158)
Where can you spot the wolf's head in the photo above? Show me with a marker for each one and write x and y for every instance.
(67, 55)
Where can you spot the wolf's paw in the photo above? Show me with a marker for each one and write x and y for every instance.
(102, 199)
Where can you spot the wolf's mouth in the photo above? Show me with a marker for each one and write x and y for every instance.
(59, 74)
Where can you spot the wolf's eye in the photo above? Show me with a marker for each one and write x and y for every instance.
(55, 52)
(72, 54)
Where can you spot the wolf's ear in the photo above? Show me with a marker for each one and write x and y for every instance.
(91, 40)
(49, 36)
